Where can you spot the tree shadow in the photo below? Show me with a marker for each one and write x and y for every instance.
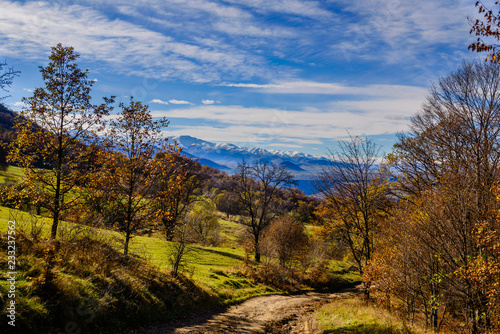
(233, 256)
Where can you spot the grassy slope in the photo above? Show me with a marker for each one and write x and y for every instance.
(354, 316)
(11, 174)
(211, 269)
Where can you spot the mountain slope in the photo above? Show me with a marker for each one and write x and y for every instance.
(226, 157)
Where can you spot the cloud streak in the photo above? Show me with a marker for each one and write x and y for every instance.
(383, 110)
(28, 29)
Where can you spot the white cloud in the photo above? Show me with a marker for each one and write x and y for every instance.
(398, 31)
(173, 101)
(383, 110)
(207, 101)
(27, 29)
(311, 87)
(158, 101)
(17, 104)
(284, 145)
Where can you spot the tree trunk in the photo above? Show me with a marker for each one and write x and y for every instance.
(256, 248)
(55, 222)
(127, 239)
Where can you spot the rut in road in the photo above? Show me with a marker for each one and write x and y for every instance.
(265, 314)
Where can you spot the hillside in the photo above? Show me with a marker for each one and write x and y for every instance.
(7, 117)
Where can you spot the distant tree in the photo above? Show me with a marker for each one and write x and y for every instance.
(258, 186)
(203, 223)
(229, 203)
(129, 171)
(6, 78)
(355, 194)
(56, 137)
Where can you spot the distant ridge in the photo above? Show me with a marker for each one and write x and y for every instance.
(227, 156)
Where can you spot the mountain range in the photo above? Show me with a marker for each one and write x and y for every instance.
(226, 157)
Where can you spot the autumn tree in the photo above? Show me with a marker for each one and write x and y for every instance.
(56, 137)
(488, 28)
(257, 186)
(129, 171)
(175, 189)
(229, 203)
(203, 223)
(452, 156)
(356, 195)
(7, 77)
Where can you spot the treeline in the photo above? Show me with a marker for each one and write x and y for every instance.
(424, 228)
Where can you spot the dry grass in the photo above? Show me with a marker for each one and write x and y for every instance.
(354, 315)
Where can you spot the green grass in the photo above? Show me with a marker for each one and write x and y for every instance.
(345, 273)
(230, 232)
(355, 316)
(211, 268)
(214, 274)
(12, 174)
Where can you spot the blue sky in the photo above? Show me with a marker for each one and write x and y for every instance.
(291, 75)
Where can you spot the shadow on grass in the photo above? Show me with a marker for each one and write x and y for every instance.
(371, 329)
(233, 256)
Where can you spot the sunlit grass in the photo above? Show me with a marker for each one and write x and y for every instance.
(356, 316)
(11, 174)
(212, 268)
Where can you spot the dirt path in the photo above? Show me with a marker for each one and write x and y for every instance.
(266, 314)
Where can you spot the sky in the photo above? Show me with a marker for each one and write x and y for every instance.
(292, 75)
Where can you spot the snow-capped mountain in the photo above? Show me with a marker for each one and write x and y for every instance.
(226, 156)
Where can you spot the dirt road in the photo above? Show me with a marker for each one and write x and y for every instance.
(266, 314)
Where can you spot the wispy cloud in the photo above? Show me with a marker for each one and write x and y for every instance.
(382, 110)
(312, 87)
(17, 104)
(173, 101)
(207, 101)
(28, 29)
(399, 32)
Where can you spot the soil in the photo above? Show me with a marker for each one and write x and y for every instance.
(265, 314)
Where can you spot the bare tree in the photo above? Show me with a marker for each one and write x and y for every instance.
(257, 186)
(356, 194)
(7, 77)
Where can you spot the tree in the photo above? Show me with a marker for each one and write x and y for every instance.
(129, 171)
(203, 223)
(258, 186)
(286, 240)
(56, 137)
(490, 27)
(356, 195)
(7, 77)
(229, 203)
(175, 190)
(452, 157)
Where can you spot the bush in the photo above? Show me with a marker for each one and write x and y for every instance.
(285, 239)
